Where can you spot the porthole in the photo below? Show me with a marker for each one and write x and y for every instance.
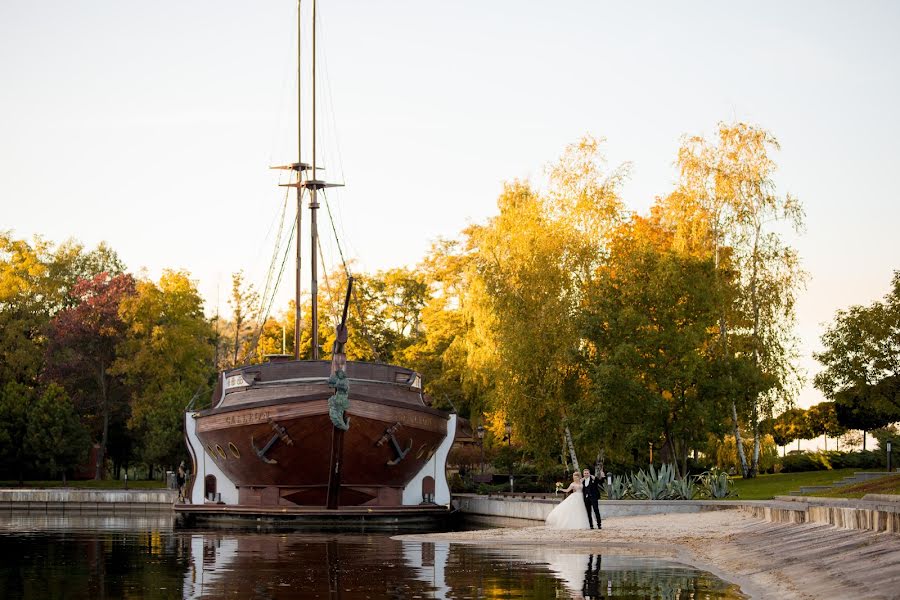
(220, 452)
(210, 450)
(421, 451)
(234, 451)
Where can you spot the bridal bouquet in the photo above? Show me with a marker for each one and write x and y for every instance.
(559, 487)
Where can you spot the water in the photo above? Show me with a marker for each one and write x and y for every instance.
(62, 556)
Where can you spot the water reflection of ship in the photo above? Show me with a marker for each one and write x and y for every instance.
(429, 562)
(303, 566)
(351, 566)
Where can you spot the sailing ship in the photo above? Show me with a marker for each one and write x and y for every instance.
(332, 435)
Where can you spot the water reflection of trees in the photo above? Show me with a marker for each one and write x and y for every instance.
(582, 575)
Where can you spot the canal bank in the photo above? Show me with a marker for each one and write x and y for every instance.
(791, 548)
(874, 512)
(76, 500)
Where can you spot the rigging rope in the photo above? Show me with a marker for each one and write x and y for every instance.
(267, 299)
(275, 251)
(359, 312)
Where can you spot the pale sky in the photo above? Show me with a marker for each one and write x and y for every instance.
(151, 124)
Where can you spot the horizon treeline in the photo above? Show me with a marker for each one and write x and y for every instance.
(584, 330)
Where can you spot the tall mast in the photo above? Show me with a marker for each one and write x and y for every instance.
(297, 286)
(311, 183)
(313, 207)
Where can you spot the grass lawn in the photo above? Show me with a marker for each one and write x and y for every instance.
(884, 485)
(89, 484)
(765, 487)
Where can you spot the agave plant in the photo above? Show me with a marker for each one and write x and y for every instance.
(618, 489)
(653, 484)
(717, 484)
(685, 488)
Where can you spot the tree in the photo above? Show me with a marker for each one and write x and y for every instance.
(857, 408)
(384, 315)
(522, 337)
(243, 303)
(82, 343)
(16, 400)
(861, 362)
(273, 338)
(25, 308)
(527, 269)
(822, 420)
(440, 352)
(730, 183)
(647, 326)
(789, 426)
(56, 440)
(165, 357)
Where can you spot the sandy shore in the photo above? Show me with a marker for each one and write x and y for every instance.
(766, 560)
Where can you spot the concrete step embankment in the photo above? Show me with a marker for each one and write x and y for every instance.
(825, 561)
(81, 500)
(867, 514)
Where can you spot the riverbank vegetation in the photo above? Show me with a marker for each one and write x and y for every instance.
(573, 330)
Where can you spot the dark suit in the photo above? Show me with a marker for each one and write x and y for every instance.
(590, 489)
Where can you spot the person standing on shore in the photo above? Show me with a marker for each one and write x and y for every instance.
(590, 490)
(180, 479)
(568, 513)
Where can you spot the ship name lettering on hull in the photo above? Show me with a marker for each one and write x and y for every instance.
(247, 418)
(415, 420)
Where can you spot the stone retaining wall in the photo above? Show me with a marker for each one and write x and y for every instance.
(80, 500)
(533, 510)
(870, 514)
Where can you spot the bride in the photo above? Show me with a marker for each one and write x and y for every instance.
(570, 513)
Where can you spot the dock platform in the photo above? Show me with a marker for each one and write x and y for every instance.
(350, 518)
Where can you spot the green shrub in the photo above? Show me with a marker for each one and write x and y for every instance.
(459, 485)
(492, 488)
(856, 460)
(796, 462)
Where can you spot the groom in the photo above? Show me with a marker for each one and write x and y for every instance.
(590, 489)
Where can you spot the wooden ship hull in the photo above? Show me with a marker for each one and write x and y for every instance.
(269, 441)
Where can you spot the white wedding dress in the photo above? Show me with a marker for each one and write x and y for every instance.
(570, 513)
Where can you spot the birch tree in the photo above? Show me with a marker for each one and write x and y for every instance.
(731, 181)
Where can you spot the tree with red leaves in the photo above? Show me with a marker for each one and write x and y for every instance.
(81, 348)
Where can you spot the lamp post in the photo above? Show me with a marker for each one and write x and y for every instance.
(888, 448)
(507, 426)
(479, 431)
